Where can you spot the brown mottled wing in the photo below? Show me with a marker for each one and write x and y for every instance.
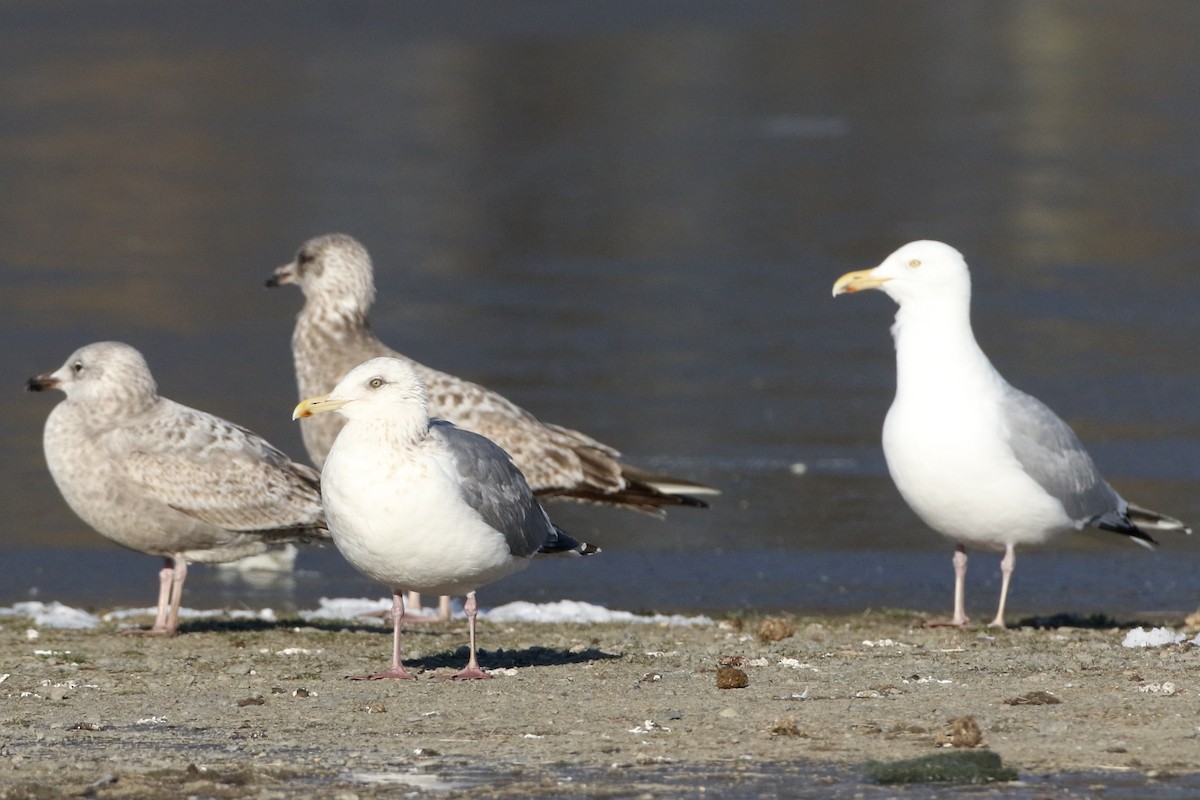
(556, 461)
(222, 474)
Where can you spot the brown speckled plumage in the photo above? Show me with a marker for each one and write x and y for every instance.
(333, 335)
(164, 479)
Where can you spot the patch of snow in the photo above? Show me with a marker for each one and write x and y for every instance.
(57, 615)
(1155, 637)
(51, 615)
(349, 608)
(1166, 688)
(119, 614)
(580, 612)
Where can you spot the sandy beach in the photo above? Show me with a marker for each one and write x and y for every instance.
(263, 710)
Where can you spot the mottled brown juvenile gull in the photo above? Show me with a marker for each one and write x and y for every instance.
(980, 462)
(332, 335)
(420, 504)
(164, 479)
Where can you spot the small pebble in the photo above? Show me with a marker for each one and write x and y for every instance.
(961, 732)
(773, 629)
(731, 678)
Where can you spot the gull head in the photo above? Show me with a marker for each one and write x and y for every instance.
(382, 389)
(104, 375)
(333, 270)
(917, 271)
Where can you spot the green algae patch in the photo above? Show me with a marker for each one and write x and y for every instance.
(959, 766)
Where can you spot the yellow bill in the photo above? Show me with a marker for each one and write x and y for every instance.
(853, 282)
(316, 405)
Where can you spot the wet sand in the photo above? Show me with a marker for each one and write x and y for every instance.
(256, 710)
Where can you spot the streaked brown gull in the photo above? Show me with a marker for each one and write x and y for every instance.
(332, 335)
(982, 463)
(167, 480)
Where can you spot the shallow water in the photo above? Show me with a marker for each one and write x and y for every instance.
(628, 219)
(796, 781)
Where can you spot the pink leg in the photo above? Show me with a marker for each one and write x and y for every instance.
(960, 586)
(443, 612)
(164, 594)
(1006, 570)
(414, 602)
(177, 579)
(397, 670)
(471, 672)
(162, 615)
(960, 581)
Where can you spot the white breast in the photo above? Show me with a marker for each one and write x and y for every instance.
(399, 518)
(948, 453)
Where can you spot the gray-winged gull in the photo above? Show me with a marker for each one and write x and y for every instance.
(164, 479)
(420, 504)
(982, 463)
(333, 334)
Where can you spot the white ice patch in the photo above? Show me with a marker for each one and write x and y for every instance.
(265, 614)
(581, 613)
(1155, 637)
(57, 615)
(52, 615)
(419, 781)
(349, 608)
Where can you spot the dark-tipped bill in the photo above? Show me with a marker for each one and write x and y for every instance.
(316, 405)
(853, 282)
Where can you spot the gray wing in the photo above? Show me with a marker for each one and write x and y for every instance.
(1052, 455)
(493, 486)
(222, 474)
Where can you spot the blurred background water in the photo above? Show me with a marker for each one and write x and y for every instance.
(627, 217)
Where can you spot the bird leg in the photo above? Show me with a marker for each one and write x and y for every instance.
(471, 672)
(162, 616)
(960, 581)
(397, 670)
(1006, 570)
(414, 603)
(960, 586)
(179, 574)
(164, 594)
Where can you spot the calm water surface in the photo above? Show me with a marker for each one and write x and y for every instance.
(628, 219)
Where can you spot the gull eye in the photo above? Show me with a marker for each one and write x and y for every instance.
(375, 383)
(916, 262)
(77, 367)
(304, 257)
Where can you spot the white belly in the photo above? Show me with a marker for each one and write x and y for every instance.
(962, 480)
(408, 528)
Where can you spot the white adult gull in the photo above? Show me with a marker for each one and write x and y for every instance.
(164, 479)
(333, 335)
(982, 463)
(419, 504)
